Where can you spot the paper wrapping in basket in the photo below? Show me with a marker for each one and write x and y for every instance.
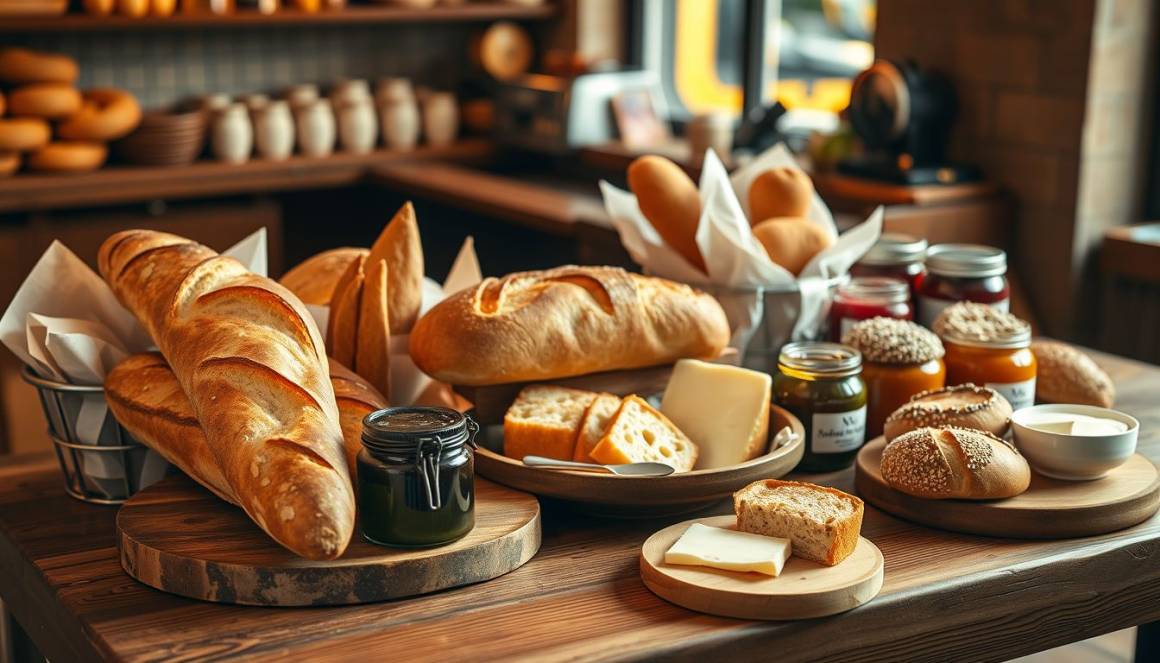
(766, 305)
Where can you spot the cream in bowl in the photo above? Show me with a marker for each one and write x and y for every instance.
(1074, 442)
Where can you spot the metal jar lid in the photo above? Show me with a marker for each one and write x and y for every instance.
(828, 360)
(419, 436)
(895, 249)
(875, 289)
(966, 260)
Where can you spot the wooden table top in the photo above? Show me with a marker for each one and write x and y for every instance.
(946, 596)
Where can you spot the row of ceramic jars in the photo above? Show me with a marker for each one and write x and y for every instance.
(350, 117)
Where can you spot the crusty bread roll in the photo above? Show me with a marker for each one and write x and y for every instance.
(1066, 375)
(400, 246)
(251, 361)
(342, 325)
(792, 242)
(964, 406)
(145, 396)
(567, 321)
(822, 523)
(372, 350)
(954, 463)
(780, 192)
(671, 203)
(315, 278)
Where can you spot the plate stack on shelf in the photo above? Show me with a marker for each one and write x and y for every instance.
(165, 138)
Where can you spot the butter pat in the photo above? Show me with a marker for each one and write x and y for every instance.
(723, 409)
(729, 550)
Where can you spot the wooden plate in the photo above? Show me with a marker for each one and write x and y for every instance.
(803, 590)
(644, 497)
(1050, 509)
(177, 537)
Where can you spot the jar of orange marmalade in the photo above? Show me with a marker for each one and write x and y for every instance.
(991, 348)
(899, 360)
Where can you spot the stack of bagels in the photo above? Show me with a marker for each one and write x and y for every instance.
(49, 125)
(779, 200)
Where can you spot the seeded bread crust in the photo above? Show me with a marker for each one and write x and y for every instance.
(954, 463)
(964, 406)
(759, 505)
(1066, 375)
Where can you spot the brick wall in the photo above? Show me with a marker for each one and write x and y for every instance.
(1052, 100)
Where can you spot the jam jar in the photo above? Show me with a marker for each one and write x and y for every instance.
(895, 256)
(865, 297)
(962, 272)
(820, 384)
(1005, 364)
(416, 476)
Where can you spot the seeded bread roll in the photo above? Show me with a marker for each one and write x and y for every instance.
(1066, 375)
(822, 523)
(964, 405)
(954, 463)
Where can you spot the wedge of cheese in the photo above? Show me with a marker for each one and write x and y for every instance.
(729, 550)
(723, 409)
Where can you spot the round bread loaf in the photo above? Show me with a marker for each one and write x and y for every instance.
(1066, 375)
(791, 241)
(954, 463)
(671, 203)
(779, 192)
(964, 406)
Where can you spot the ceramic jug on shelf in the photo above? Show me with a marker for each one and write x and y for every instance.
(316, 130)
(233, 136)
(274, 131)
(349, 91)
(440, 118)
(301, 95)
(398, 114)
(357, 126)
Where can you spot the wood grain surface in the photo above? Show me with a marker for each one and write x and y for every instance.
(1050, 509)
(804, 589)
(177, 537)
(945, 596)
(641, 497)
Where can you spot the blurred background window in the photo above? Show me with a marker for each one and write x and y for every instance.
(808, 52)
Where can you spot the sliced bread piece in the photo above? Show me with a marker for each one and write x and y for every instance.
(823, 523)
(594, 425)
(639, 434)
(544, 421)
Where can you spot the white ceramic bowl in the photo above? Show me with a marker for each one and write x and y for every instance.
(1073, 457)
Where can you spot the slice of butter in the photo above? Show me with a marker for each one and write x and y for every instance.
(729, 550)
(723, 409)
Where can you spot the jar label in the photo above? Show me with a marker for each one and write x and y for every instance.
(929, 308)
(1019, 394)
(838, 432)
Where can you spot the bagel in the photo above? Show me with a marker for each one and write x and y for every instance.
(51, 101)
(106, 114)
(20, 66)
(2, 104)
(68, 157)
(20, 134)
(9, 163)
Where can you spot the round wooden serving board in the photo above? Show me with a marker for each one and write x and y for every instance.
(1050, 509)
(804, 589)
(177, 537)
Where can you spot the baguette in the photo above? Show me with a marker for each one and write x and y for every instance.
(145, 396)
(671, 203)
(400, 246)
(954, 463)
(544, 325)
(372, 352)
(251, 361)
(342, 325)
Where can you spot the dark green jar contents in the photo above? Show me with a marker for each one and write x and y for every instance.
(416, 476)
(821, 384)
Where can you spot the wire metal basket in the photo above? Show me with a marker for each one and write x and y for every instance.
(101, 462)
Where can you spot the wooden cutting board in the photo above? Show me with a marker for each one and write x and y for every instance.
(1050, 509)
(803, 590)
(177, 537)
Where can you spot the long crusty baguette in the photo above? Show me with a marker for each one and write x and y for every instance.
(145, 396)
(251, 361)
(562, 322)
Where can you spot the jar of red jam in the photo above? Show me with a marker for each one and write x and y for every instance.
(962, 272)
(865, 297)
(895, 256)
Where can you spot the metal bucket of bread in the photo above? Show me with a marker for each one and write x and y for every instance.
(101, 462)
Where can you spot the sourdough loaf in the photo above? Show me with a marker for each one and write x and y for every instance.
(822, 523)
(961, 463)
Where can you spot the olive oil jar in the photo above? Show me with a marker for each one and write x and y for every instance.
(821, 384)
(416, 476)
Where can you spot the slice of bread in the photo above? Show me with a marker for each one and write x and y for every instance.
(823, 523)
(594, 425)
(544, 421)
(639, 434)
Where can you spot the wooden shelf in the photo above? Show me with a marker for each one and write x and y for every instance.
(357, 14)
(204, 179)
